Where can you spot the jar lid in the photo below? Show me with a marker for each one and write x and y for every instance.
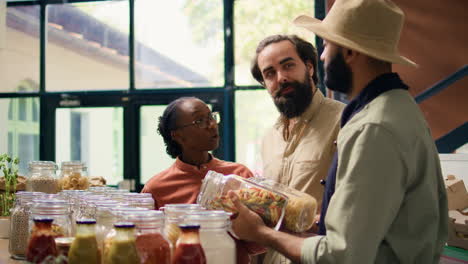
(86, 221)
(189, 226)
(124, 225)
(208, 219)
(62, 241)
(41, 219)
(141, 200)
(131, 195)
(73, 165)
(143, 215)
(177, 207)
(42, 165)
(119, 211)
(49, 206)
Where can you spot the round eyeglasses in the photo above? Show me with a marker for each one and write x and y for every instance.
(205, 121)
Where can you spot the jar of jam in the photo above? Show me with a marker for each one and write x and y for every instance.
(152, 247)
(218, 246)
(41, 243)
(188, 248)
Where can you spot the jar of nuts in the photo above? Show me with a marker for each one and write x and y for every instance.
(42, 177)
(73, 176)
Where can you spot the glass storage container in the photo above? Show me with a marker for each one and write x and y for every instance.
(122, 247)
(152, 247)
(267, 202)
(58, 210)
(143, 202)
(63, 245)
(84, 248)
(300, 210)
(41, 244)
(19, 225)
(42, 177)
(218, 246)
(188, 249)
(73, 176)
(173, 216)
(106, 231)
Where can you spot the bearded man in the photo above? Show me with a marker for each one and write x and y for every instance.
(298, 150)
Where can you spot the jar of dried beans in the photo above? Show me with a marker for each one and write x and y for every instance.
(42, 177)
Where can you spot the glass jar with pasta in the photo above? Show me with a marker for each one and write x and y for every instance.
(73, 176)
(265, 201)
(300, 210)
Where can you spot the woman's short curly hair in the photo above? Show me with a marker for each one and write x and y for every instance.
(168, 123)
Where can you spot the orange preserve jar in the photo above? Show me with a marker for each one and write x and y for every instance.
(41, 243)
(152, 247)
(188, 248)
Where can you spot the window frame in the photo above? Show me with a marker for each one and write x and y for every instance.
(222, 98)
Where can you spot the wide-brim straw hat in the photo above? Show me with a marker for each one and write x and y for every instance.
(371, 27)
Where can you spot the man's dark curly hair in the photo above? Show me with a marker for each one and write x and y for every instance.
(168, 123)
(305, 50)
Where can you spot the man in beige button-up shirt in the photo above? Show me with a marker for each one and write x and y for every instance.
(298, 149)
(389, 203)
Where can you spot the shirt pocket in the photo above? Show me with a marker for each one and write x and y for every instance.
(305, 173)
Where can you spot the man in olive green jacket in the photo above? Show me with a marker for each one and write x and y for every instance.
(388, 204)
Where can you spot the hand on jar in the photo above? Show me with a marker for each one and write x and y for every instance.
(247, 225)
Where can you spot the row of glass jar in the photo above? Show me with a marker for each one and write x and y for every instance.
(146, 244)
(65, 208)
(42, 176)
(218, 246)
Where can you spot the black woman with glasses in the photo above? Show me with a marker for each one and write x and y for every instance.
(190, 131)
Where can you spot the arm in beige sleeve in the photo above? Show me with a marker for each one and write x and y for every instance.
(370, 188)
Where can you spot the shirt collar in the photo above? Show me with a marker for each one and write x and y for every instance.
(189, 167)
(376, 87)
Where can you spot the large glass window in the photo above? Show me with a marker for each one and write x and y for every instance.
(256, 20)
(19, 136)
(87, 46)
(179, 43)
(153, 156)
(19, 47)
(255, 113)
(94, 136)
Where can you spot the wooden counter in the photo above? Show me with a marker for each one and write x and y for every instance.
(5, 255)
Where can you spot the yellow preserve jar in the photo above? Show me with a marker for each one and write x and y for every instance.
(122, 248)
(84, 248)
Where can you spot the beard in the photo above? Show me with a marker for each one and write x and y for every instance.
(338, 76)
(294, 103)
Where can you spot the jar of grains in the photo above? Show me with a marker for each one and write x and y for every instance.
(19, 225)
(42, 177)
(73, 176)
